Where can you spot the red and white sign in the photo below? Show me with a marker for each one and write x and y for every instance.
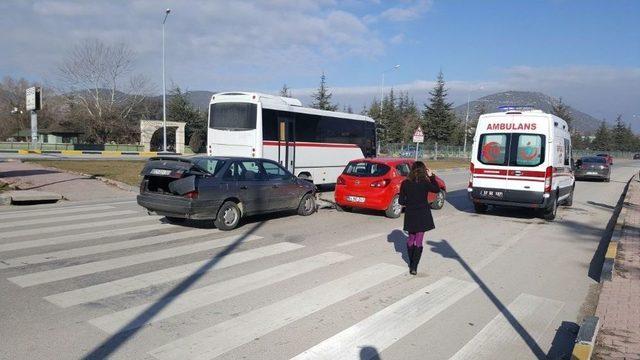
(418, 135)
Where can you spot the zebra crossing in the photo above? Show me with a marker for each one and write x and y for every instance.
(41, 250)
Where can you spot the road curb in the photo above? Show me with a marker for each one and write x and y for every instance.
(608, 267)
(586, 339)
(105, 153)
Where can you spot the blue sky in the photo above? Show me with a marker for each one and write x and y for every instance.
(588, 52)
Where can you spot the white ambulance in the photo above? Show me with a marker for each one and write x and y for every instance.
(521, 157)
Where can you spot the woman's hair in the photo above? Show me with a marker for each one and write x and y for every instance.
(418, 172)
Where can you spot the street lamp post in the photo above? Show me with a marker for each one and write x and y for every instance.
(382, 95)
(164, 90)
(466, 122)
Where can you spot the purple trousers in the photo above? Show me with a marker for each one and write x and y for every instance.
(415, 239)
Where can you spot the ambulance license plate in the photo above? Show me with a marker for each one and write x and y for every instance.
(493, 194)
(357, 199)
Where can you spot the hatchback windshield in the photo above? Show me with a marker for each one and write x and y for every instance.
(366, 169)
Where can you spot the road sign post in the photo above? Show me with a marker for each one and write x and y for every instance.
(34, 103)
(418, 137)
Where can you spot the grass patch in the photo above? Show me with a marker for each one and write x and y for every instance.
(4, 187)
(446, 163)
(126, 171)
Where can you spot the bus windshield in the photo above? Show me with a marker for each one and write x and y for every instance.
(232, 116)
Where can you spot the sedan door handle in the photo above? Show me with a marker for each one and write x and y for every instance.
(275, 186)
(243, 187)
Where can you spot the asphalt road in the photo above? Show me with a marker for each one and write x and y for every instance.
(104, 279)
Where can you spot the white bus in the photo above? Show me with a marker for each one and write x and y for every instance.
(310, 143)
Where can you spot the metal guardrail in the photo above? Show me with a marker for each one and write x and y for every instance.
(78, 147)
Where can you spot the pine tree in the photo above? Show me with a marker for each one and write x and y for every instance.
(390, 118)
(602, 139)
(180, 109)
(439, 115)
(562, 111)
(285, 91)
(322, 98)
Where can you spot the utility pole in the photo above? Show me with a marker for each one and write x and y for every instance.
(466, 122)
(164, 90)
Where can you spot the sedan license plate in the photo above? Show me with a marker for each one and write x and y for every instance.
(163, 172)
(492, 194)
(357, 199)
(592, 173)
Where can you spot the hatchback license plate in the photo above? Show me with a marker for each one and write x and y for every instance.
(163, 172)
(492, 194)
(357, 199)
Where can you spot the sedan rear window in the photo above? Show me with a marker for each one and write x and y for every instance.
(597, 160)
(366, 169)
(212, 166)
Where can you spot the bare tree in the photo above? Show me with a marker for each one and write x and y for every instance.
(100, 83)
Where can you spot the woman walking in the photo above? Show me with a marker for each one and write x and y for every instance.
(417, 214)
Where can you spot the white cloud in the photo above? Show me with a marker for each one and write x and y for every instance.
(397, 39)
(414, 10)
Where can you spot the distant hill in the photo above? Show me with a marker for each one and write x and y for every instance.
(582, 122)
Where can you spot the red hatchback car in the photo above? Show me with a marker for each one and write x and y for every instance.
(375, 184)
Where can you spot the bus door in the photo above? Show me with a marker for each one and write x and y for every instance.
(286, 143)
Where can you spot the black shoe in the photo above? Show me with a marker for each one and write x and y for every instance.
(413, 272)
(415, 260)
(410, 255)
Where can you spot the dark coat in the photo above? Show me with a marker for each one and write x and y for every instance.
(417, 213)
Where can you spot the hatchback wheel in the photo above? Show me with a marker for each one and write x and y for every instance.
(438, 203)
(228, 216)
(307, 205)
(394, 210)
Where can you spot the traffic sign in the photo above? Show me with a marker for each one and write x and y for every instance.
(418, 135)
(33, 98)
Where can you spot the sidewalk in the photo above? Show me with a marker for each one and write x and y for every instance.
(74, 187)
(619, 303)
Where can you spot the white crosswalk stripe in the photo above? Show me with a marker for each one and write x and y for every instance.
(69, 272)
(123, 320)
(499, 340)
(121, 286)
(77, 226)
(52, 212)
(225, 336)
(97, 249)
(393, 322)
(59, 219)
(64, 239)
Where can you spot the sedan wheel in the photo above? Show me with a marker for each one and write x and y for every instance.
(307, 205)
(228, 216)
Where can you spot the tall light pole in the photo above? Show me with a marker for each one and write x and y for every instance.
(382, 86)
(466, 122)
(164, 90)
(382, 97)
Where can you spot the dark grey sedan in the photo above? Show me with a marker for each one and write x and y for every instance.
(223, 189)
(593, 167)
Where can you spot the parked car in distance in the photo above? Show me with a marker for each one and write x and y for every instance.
(636, 156)
(222, 189)
(608, 157)
(593, 167)
(375, 184)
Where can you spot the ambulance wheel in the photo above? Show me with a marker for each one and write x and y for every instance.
(480, 208)
(394, 210)
(569, 200)
(550, 212)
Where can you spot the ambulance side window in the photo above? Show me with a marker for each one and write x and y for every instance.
(493, 149)
(530, 150)
(567, 152)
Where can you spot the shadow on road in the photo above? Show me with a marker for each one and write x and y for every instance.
(92, 177)
(447, 251)
(369, 353)
(601, 205)
(111, 345)
(399, 240)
